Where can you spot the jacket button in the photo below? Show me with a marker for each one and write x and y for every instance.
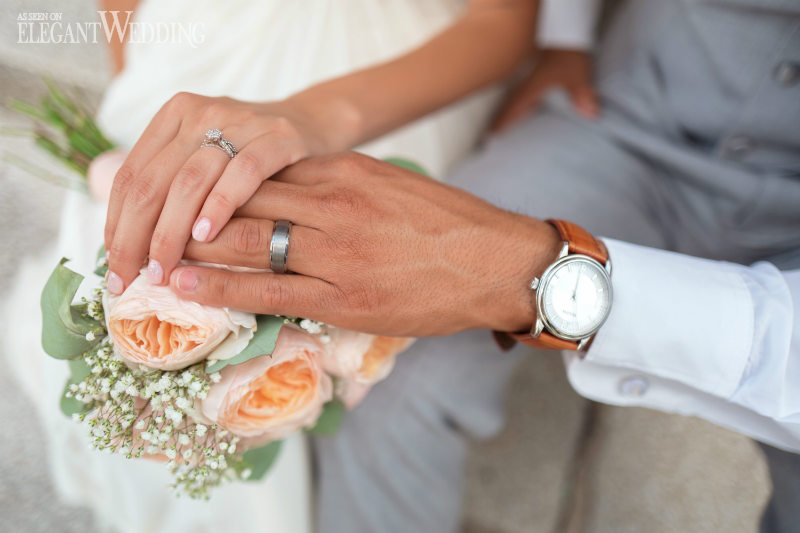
(787, 73)
(633, 386)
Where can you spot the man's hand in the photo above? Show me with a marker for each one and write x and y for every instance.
(567, 69)
(378, 249)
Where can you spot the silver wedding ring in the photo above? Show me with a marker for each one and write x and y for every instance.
(279, 246)
(213, 137)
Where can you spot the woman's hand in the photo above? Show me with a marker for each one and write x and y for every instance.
(567, 69)
(170, 188)
(375, 248)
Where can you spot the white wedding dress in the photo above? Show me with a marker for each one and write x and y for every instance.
(253, 51)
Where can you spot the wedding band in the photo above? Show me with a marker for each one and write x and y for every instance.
(279, 246)
(213, 137)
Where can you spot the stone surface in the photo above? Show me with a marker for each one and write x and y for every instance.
(654, 472)
(516, 481)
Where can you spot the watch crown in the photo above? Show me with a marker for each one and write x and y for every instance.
(534, 284)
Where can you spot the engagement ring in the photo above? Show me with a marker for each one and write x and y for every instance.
(213, 137)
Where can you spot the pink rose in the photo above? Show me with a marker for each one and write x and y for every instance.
(271, 396)
(151, 326)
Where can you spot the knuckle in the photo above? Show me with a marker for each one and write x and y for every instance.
(248, 164)
(273, 294)
(123, 179)
(220, 201)
(180, 101)
(189, 179)
(140, 194)
(248, 236)
(341, 202)
(161, 241)
(344, 163)
(362, 300)
(213, 111)
(283, 126)
(119, 255)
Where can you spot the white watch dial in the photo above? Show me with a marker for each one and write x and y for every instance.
(576, 297)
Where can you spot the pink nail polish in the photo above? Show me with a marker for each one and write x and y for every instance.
(154, 272)
(187, 280)
(201, 229)
(114, 282)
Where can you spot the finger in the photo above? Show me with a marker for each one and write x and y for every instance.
(275, 200)
(264, 293)
(584, 100)
(520, 104)
(161, 130)
(256, 162)
(186, 194)
(245, 242)
(140, 211)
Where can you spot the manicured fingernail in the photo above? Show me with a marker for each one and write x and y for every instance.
(154, 272)
(201, 229)
(114, 283)
(187, 280)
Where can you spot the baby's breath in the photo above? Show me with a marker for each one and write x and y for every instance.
(143, 411)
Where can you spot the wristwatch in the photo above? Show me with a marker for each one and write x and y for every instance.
(572, 298)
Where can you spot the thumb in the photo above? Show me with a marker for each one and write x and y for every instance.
(584, 100)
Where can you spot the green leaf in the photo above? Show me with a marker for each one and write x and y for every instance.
(64, 328)
(101, 254)
(78, 370)
(259, 460)
(407, 164)
(331, 418)
(262, 343)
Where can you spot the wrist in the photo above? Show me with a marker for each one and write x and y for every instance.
(529, 248)
(329, 124)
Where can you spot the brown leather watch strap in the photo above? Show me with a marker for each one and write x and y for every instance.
(544, 341)
(580, 242)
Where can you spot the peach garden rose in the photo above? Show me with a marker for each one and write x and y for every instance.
(151, 326)
(271, 396)
(360, 360)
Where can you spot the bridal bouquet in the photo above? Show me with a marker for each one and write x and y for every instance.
(209, 391)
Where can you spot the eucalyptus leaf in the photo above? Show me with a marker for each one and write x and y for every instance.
(78, 370)
(331, 418)
(259, 460)
(262, 343)
(64, 326)
(407, 164)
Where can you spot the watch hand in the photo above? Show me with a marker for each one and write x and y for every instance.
(575, 290)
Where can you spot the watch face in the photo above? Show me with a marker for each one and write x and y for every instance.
(575, 297)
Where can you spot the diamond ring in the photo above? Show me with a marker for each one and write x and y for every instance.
(213, 137)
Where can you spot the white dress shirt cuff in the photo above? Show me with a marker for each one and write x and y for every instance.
(677, 317)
